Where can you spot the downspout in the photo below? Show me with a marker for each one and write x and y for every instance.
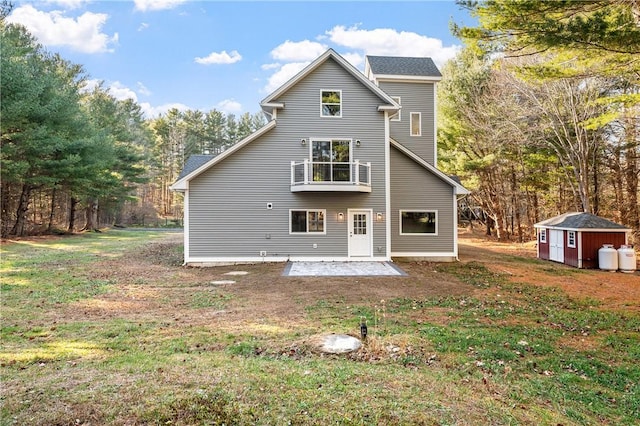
(387, 183)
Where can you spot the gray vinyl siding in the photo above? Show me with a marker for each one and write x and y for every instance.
(415, 97)
(415, 188)
(228, 213)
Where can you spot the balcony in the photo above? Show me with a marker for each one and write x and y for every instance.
(328, 176)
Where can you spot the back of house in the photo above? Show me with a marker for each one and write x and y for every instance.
(345, 169)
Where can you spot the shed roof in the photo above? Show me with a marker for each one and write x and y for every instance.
(194, 162)
(580, 221)
(394, 65)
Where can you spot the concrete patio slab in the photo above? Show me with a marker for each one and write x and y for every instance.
(341, 269)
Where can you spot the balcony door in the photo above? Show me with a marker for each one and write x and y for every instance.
(331, 160)
(360, 237)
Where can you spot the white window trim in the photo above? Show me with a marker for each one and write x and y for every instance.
(330, 116)
(414, 233)
(575, 236)
(398, 115)
(543, 236)
(419, 114)
(323, 211)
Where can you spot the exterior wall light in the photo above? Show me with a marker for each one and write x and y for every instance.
(340, 217)
(357, 142)
(303, 142)
(378, 217)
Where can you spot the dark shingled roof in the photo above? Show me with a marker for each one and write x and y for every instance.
(394, 65)
(580, 221)
(193, 163)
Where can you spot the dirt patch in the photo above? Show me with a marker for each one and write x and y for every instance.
(151, 277)
(613, 290)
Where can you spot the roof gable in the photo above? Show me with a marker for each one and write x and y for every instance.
(579, 220)
(271, 100)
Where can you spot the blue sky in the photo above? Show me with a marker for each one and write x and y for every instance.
(228, 55)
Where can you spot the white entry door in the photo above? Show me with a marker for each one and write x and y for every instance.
(359, 233)
(556, 245)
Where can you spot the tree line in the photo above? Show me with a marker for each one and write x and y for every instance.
(75, 159)
(540, 112)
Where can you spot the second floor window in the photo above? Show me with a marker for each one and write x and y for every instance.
(331, 103)
(331, 160)
(416, 124)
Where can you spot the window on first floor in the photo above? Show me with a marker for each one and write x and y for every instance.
(418, 222)
(307, 221)
(571, 239)
(543, 235)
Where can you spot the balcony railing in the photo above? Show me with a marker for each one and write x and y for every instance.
(326, 176)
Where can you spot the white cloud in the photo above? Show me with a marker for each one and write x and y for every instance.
(390, 42)
(229, 106)
(299, 51)
(144, 5)
(271, 66)
(354, 58)
(83, 33)
(68, 4)
(142, 89)
(122, 92)
(220, 58)
(284, 74)
(143, 26)
(153, 112)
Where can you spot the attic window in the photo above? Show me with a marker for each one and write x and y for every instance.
(331, 103)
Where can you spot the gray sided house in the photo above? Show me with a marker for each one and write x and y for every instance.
(344, 170)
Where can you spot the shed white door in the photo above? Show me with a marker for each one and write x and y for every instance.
(359, 233)
(556, 245)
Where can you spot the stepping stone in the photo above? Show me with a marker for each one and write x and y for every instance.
(222, 282)
(338, 344)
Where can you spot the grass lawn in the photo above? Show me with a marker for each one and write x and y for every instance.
(109, 329)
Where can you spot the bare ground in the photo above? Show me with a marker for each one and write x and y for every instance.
(150, 278)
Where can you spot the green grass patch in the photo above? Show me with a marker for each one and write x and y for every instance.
(82, 347)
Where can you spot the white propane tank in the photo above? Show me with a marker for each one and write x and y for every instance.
(627, 259)
(608, 258)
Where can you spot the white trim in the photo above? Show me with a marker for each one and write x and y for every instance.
(181, 185)
(322, 103)
(186, 223)
(435, 126)
(399, 113)
(562, 228)
(420, 234)
(387, 183)
(324, 222)
(423, 254)
(369, 232)
(455, 226)
(258, 259)
(411, 114)
(579, 241)
(459, 189)
(406, 78)
(542, 236)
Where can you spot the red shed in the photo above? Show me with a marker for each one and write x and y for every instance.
(575, 238)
